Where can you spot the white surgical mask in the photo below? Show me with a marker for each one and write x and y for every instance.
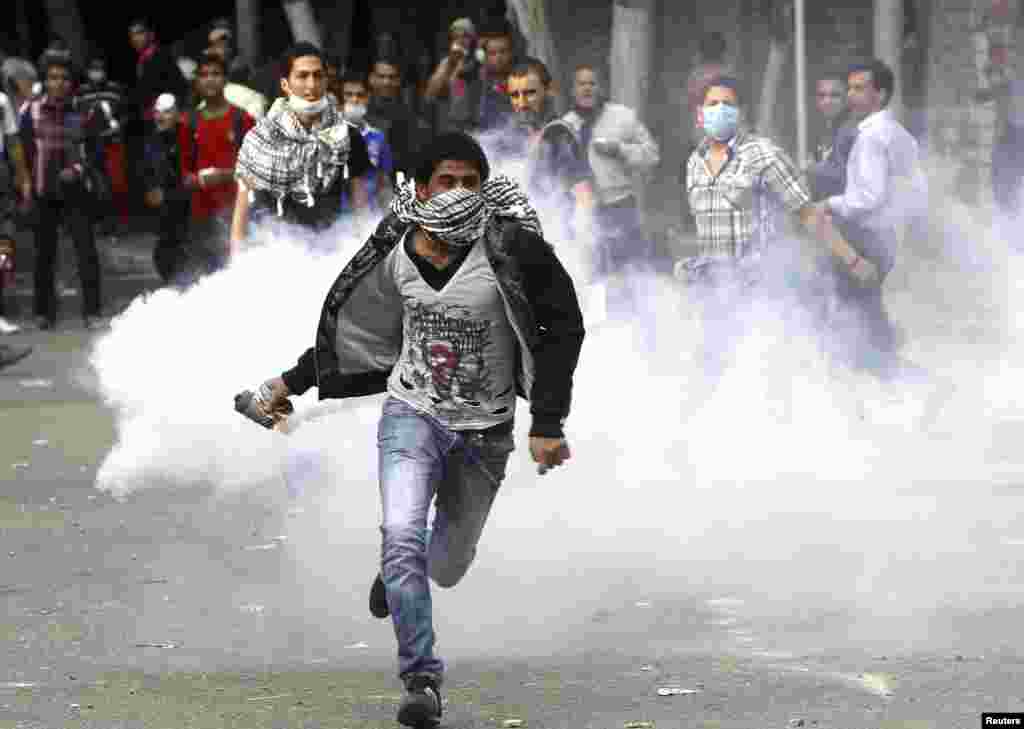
(354, 113)
(301, 106)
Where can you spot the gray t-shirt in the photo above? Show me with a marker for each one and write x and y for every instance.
(458, 359)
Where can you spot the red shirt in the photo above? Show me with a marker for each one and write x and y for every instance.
(217, 147)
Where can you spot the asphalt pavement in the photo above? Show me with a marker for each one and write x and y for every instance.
(180, 609)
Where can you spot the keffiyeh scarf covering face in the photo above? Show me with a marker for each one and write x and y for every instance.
(459, 217)
(284, 158)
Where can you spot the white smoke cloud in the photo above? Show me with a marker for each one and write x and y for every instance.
(783, 482)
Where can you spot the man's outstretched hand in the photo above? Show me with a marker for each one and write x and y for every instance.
(273, 398)
(549, 453)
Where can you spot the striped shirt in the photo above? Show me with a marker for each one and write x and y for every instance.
(730, 207)
(51, 134)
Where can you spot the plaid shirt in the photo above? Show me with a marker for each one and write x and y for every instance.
(52, 135)
(732, 209)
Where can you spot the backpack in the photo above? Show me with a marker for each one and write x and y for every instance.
(193, 134)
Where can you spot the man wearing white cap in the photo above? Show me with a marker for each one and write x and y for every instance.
(165, 192)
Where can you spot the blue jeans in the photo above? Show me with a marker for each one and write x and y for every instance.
(421, 459)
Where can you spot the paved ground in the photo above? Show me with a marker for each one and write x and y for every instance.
(180, 610)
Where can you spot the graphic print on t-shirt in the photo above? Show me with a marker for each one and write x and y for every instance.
(446, 355)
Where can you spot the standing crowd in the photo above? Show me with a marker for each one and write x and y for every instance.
(459, 302)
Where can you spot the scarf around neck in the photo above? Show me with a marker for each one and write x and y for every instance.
(282, 157)
(459, 217)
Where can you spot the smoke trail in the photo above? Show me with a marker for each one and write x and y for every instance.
(783, 482)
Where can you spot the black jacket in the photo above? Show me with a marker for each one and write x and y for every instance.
(539, 298)
(157, 75)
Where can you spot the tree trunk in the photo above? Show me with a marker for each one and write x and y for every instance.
(247, 19)
(889, 43)
(533, 21)
(779, 49)
(777, 55)
(66, 21)
(632, 43)
(302, 21)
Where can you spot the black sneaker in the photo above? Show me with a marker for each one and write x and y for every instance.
(379, 599)
(421, 706)
(12, 355)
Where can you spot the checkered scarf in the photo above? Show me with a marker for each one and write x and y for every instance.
(460, 217)
(282, 157)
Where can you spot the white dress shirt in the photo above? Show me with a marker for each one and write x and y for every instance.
(885, 185)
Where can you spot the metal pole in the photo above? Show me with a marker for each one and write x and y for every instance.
(800, 50)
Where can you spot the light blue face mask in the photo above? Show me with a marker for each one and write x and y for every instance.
(721, 121)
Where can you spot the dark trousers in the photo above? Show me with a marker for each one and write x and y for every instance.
(863, 335)
(1008, 169)
(186, 249)
(625, 260)
(622, 243)
(624, 252)
(74, 213)
(169, 255)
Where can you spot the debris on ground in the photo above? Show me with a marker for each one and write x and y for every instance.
(513, 723)
(643, 603)
(252, 608)
(676, 691)
(158, 644)
(793, 723)
(878, 683)
(358, 646)
(19, 466)
(638, 725)
(262, 547)
(36, 384)
(41, 442)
